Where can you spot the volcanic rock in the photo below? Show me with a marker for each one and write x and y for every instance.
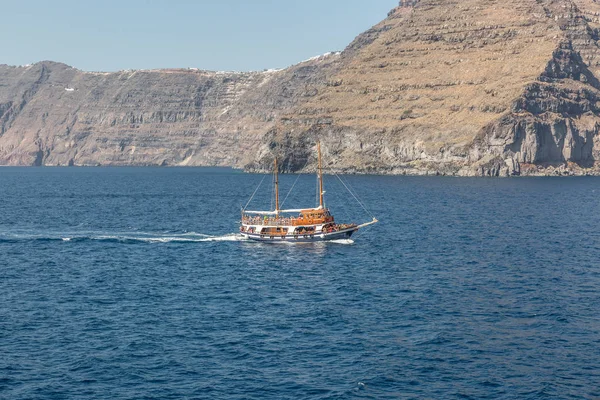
(469, 87)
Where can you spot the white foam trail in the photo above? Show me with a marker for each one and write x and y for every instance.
(182, 238)
(232, 237)
(194, 234)
(147, 237)
(342, 241)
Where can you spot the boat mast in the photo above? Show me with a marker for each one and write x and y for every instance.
(320, 176)
(276, 188)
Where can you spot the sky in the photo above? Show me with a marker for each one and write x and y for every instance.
(220, 35)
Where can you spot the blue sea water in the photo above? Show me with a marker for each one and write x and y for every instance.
(130, 283)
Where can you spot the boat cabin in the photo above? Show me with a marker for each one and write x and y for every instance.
(273, 231)
(313, 217)
(304, 230)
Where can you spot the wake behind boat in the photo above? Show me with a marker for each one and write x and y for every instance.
(297, 225)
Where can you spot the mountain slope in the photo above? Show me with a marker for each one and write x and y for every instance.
(462, 87)
(53, 114)
(470, 87)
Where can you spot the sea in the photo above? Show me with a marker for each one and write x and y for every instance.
(133, 283)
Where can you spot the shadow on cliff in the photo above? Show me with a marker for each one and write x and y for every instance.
(552, 124)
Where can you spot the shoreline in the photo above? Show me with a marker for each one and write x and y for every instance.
(546, 172)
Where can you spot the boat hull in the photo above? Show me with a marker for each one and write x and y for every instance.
(310, 238)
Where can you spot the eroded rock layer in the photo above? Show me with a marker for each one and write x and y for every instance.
(460, 87)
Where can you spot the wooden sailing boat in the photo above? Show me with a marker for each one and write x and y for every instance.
(296, 225)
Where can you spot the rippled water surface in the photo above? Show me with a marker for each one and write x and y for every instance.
(131, 283)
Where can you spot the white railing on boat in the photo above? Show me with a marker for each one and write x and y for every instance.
(269, 221)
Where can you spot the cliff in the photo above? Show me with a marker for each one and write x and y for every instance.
(52, 114)
(469, 87)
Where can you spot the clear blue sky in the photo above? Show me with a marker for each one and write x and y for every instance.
(241, 35)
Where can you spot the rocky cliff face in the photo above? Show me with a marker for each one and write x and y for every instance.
(469, 87)
(52, 114)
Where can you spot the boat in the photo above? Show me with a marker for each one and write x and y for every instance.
(299, 225)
